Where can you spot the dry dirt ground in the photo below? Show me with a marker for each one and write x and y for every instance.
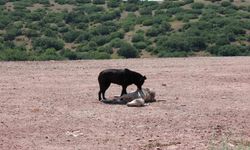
(203, 103)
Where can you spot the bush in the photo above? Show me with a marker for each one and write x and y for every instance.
(84, 36)
(50, 54)
(118, 34)
(83, 1)
(140, 45)
(150, 48)
(98, 1)
(13, 55)
(11, 34)
(225, 3)
(188, 1)
(197, 5)
(229, 50)
(148, 22)
(71, 55)
(30, 33)
(101, 40)
(152, 32)
(165, 27)
(131, 7)
(113, 3)
(104, 29)
(107, 49)
(110, 16)
(145, 11)
(173, 54)
(71, 36)
(138, 38)
(116, 43)
(47, 42)
(175, 43)
(93, 55)
(128, 51)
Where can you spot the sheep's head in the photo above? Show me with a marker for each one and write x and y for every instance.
(149, 95)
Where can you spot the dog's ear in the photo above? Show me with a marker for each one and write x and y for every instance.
(144, 77)
(126, 69)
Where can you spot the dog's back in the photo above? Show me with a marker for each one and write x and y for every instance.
(116, 76)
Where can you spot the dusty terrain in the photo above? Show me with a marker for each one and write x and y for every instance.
(203, 103)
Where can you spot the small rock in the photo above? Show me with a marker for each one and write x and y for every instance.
(231, 145)
(157, 148)
(163, 84)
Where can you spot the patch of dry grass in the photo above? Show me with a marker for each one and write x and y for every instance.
(176, 25)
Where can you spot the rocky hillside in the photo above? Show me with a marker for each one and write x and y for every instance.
(99, 29)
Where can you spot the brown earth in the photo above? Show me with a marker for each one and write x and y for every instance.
(202, 104)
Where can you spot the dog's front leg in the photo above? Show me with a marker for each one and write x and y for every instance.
(124, 90)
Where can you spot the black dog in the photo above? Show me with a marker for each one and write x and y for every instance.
(123, 77)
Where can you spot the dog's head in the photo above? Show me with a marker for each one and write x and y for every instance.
(141, 80)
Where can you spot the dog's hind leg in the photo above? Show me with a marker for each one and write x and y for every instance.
(103, 89)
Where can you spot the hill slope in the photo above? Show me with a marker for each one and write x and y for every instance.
(98, 29)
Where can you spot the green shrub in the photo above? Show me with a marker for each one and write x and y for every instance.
(83, 1)
(131, 7)
(110, 16)
(165, 27)
(71, 36)
(116, 43)
(152, 32)
(172, 11)
(118, 34)
(107, 49)
(98, 1)
(197, 5)
(225, 3)
(101, 40)
(145, 11)
(11, 34)
(99, 55)
(138, 38)
(84, 36)
(13, 55)
(113, 3)
(2, 2)
(188, 1)
(128, 51)
(50, 54)
(169, 4)
(148, 22)
(173, 54)
(229, 50)
(47, 42)
(71, 55)
(93, 55)
(140, 45)
(150, 48)
(105, 28)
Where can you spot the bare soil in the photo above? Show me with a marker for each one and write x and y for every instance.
(201, 103)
